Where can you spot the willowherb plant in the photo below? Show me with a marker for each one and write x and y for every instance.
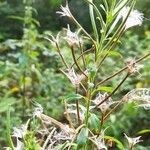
(85, 130)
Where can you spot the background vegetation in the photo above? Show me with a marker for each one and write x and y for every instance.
(29, 65)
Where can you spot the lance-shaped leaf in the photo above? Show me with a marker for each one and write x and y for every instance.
(73, 97)
(82, 137)
(94, 122)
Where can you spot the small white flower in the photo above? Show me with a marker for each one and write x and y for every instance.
(99, 141)
(133, 67)
(37, 111)
(20, 145)
(135, 17)
(72, 37)
(73, 77)
(133, 141)
(100, 144)
(105, 105)
(20, 132)
(65, 11)
(52, 39)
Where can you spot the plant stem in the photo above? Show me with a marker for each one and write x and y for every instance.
(83, 87)
(140, 59)
(119, 103)
(88, 105)
(79, 25)
(82, 56)
(77, 107)
(8, 130)
(131, 147)
(111, 48)
(24, 94)
(75, 61)
(113, 109)
(103, 35)
(89, 50)
(53, 121)
(102, 121)
(124, 79)
(68, 116)
(113, 75)
(62, 58)
(121, 70)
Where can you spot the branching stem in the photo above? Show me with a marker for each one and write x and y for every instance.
(61, 56)
(123, 69)
(75, 61)
(105, 99)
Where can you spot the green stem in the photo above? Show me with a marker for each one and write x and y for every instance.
(8, 130)
(104, 30)
(88, 106)
(24, 93)
(111, 48)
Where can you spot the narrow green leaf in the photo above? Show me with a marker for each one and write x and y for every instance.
(16, 17)
(73, 97)
(120, 5)
(61, 146)
(93, 20)
(106, 5)
(99, 16)
(144, 131)
(94, 122)
(115, 54)
(120, 28)
(82, 137)
(105, 88)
